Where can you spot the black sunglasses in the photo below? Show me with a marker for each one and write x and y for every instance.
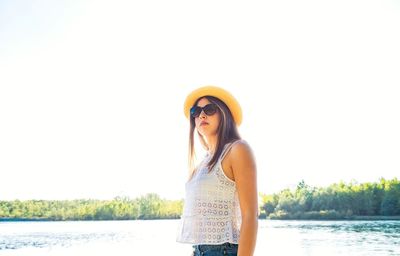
(209, 110)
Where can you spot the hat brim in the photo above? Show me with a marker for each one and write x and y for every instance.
(219, 93)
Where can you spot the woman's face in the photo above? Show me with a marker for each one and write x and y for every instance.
(207, 125)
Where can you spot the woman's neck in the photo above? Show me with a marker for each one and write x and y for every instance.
(212, 144)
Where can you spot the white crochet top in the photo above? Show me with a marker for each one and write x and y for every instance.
(211, 213)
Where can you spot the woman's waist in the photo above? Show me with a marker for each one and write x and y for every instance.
(203, 218)
(211, 211)
(206, 247)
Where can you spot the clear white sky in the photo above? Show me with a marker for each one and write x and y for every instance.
(91, 92)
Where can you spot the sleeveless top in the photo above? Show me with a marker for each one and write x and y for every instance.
(211, 212)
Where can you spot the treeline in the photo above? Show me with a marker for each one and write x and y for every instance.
(338, 201)
(150, 206)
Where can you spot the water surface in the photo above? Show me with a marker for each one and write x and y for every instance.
(157, 237)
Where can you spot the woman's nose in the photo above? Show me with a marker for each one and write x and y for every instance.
(202, 114)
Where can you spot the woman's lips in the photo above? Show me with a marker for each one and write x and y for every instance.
(203, 123)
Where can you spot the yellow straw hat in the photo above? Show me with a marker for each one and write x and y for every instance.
(219, 93)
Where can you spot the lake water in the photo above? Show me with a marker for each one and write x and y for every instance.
(157, 237)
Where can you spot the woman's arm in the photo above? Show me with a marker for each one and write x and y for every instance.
(245, 175)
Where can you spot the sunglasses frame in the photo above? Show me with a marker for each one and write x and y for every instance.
(204, 109)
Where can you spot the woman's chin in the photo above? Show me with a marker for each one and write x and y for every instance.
(206, 132)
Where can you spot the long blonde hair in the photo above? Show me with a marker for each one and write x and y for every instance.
(227, 132)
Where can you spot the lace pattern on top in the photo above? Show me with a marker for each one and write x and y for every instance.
(211, 213)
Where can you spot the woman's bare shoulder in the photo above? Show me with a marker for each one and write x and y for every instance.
(241, 146)
(241, 151)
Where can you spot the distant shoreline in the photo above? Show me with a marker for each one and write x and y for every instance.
(372, 218)
(353, 201)
(378, 217)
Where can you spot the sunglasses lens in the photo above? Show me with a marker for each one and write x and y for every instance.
(210, 109)
(195, 111)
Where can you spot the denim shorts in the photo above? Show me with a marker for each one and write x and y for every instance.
(215, 249)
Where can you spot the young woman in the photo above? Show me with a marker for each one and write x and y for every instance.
(220, 215)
